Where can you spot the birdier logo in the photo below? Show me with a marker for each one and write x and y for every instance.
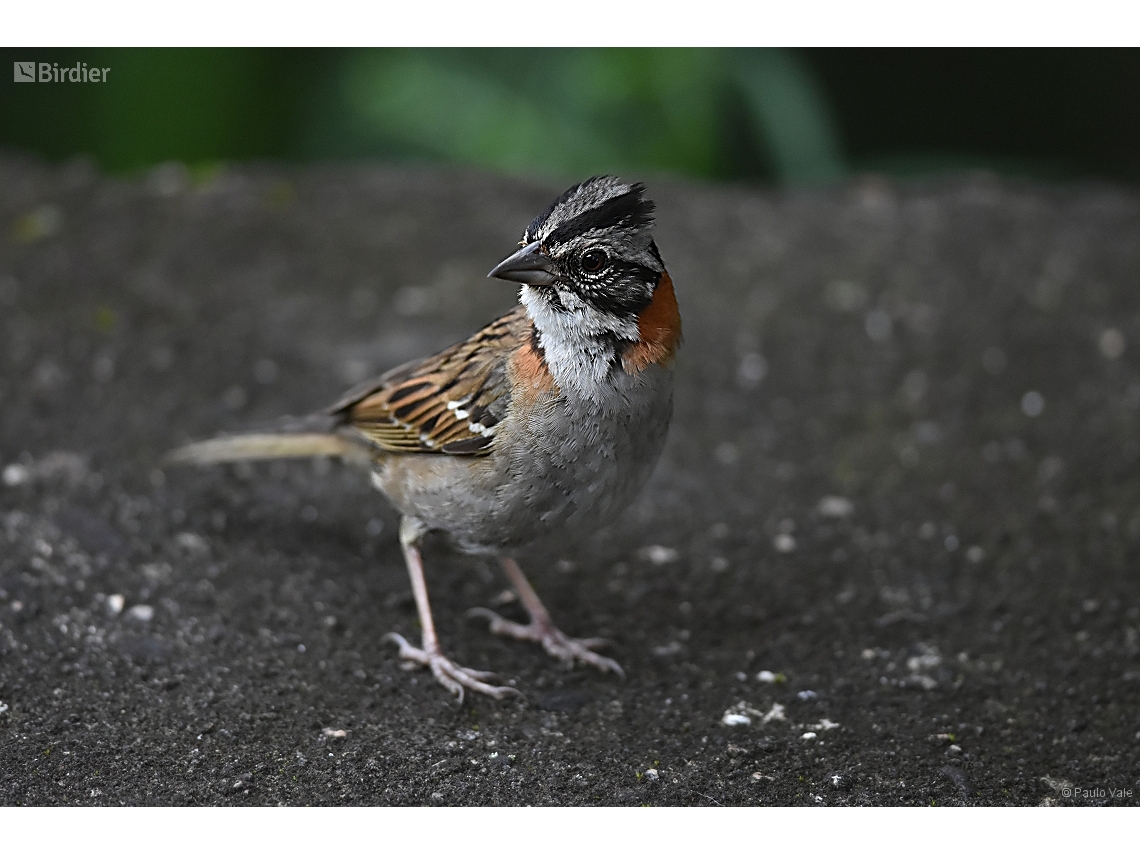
(50, 72)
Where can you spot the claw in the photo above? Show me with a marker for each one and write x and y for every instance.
(553, 640)
(451, 676)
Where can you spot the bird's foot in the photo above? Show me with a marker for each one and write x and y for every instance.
(556, 642)
(455, 678)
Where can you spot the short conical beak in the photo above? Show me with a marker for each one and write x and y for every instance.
(529, 265)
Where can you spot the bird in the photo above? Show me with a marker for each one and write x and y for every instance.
(544, 423)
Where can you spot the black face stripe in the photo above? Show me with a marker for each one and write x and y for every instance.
(625, 290)
(538, 222)
(629, 210)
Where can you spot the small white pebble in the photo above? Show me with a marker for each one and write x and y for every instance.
(774, 714)
(836, 507)
(193, 543)
(141, 612)
(811, 734)
(657, 554)
(735, 720)
(806, 695)
(752, 369)
(784, 542)
(115, 603)
(335, 734)
(1032, 403)
(878, 325)
(1111, 343)
(926, 660)
(505, 597)
(766, 677)
(16, 474)
(741, 676)
(652, 774)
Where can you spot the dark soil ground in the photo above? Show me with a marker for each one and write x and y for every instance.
(901, 486)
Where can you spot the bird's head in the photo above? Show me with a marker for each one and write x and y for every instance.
(590, 252)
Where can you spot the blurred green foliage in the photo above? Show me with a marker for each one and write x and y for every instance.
(763, 114)
(719, 114)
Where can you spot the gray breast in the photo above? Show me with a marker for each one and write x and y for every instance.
(565, 467)
(587, 462)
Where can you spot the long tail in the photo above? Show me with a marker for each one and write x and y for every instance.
(265, 446)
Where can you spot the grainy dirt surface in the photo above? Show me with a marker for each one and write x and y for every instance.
(902, 479)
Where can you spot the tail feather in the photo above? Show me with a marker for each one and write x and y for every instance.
(266, 446)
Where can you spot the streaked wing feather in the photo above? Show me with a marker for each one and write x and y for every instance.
(446, 404)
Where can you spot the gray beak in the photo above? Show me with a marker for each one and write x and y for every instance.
(529, 266)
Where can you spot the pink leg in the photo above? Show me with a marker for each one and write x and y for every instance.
(542, 629)
(453, 677)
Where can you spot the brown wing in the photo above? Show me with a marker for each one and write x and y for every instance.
(446, 404)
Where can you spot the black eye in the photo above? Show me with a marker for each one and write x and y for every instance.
(593, 261)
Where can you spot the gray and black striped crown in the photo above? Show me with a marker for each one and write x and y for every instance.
(601, 203)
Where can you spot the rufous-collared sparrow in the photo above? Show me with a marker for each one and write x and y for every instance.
(546, 421)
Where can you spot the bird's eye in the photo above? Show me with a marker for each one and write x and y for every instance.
(593, 261)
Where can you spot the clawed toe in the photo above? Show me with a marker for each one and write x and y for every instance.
(453, 677)
(552, 639)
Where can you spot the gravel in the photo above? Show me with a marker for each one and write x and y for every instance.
(951, 365)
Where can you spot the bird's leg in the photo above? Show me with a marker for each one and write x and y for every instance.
(455, 678)
(542, 629)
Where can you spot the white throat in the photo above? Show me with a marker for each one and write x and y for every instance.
(579, 342)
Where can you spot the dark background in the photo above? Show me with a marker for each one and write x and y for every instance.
(772, 115)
